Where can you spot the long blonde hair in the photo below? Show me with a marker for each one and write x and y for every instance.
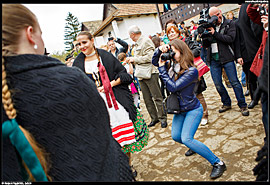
(15, 18)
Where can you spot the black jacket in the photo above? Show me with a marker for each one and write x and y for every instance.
(122, 49)
(224, 41)
(63, 110)
(263, 78)
(114, 70)
(240, 46)
(251, 32)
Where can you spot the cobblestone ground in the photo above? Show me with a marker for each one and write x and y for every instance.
(232, 137)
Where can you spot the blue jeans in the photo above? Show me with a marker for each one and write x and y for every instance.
(230, 69)
(184, 127)
(243, 78)
(204, 55)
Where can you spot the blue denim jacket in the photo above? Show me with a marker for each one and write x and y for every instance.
(183, 87)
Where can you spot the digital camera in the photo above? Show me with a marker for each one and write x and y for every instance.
(168, 55)
(262, 10)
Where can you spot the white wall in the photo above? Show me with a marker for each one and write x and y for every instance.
(149, 25)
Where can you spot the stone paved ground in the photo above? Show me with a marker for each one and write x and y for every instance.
(232, 137)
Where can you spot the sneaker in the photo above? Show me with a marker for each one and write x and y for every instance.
(204, 121)
(218, 170)
(224, 108)
(189, 152)
(244, 111)
(164, 124)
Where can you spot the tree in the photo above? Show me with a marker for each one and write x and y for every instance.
(60, 55)
(72, 28)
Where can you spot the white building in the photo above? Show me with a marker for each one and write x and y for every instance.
(117, 18)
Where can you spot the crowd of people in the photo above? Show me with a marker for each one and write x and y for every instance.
(81, 121)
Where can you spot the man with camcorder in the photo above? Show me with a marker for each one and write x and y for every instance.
(220, 55)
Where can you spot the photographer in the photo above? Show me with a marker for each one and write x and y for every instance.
(174, 33)
(112, 47)
(181, 78)
(220, 55)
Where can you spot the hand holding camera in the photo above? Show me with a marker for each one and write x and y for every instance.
(164, 48)
(261, 8)
(168, 54)
(111, 38)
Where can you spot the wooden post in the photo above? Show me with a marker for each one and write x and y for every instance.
(159, 16)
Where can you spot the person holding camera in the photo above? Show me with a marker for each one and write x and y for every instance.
(220, 55)
(174, 33)
(147, 75)
(112, 47)
(180, 78)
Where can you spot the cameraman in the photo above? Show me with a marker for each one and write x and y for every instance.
(220, 55)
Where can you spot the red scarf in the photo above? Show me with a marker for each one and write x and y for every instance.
(107, 86)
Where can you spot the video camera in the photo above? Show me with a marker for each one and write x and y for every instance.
(206, 22)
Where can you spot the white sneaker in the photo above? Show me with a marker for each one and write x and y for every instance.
(204, 121)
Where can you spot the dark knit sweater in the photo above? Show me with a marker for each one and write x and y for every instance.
(63, 110)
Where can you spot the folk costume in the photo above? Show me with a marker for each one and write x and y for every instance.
(128, 126)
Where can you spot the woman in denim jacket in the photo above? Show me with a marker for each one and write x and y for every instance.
(181, 79)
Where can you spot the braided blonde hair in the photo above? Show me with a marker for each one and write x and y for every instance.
(16, 17)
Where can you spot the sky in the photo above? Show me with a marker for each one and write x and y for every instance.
(51, 18)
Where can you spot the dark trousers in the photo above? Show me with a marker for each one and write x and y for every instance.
(251, 79)
(152, 98)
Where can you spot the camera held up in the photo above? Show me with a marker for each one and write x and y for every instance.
(262, 10)
(206, 22)
(168, 55)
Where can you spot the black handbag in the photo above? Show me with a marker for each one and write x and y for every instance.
(172, 104)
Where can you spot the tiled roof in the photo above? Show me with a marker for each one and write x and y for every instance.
(92, 25)
(125, 10)
(135, 9)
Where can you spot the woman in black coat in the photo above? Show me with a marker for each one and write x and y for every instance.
(59, 106)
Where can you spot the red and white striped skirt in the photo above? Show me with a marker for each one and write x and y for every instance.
(122, 127)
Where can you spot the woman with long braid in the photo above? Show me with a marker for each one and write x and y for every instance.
(70, 136)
